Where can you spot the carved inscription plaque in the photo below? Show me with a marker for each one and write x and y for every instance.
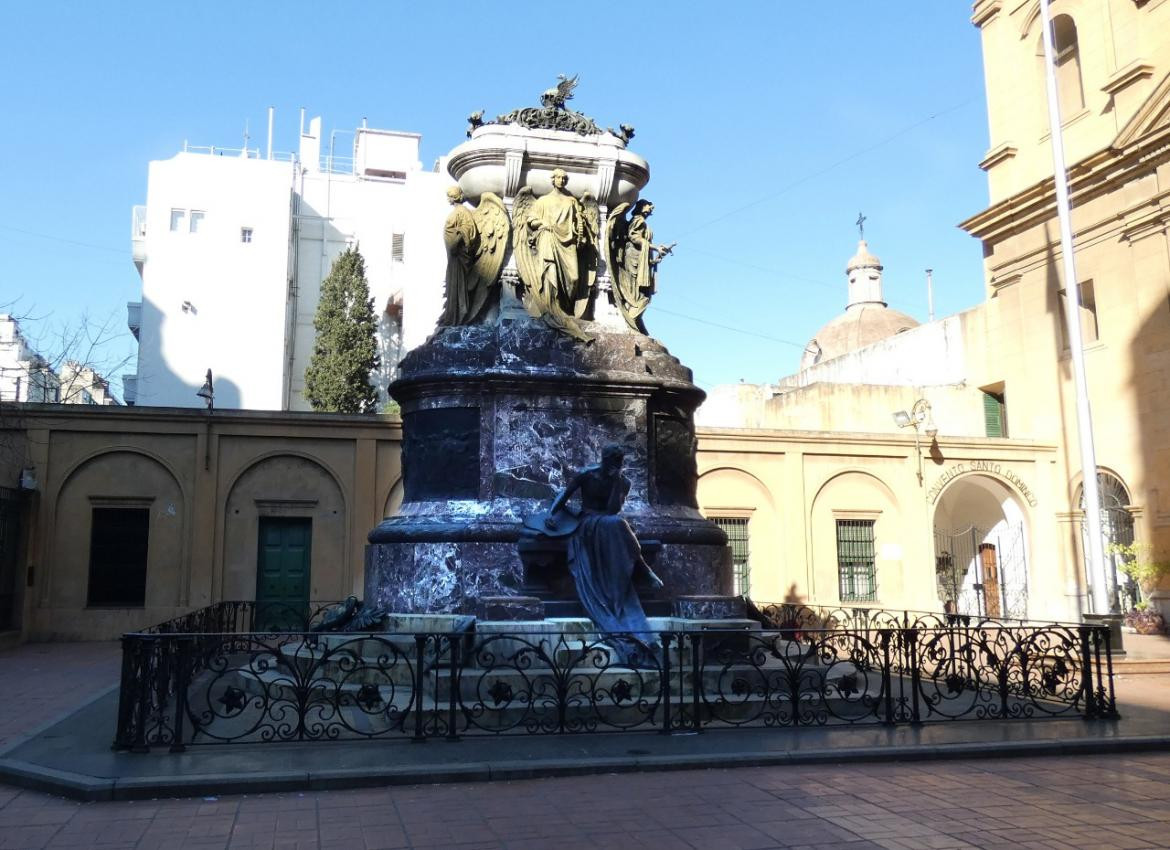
(675, 473)
(440, 454)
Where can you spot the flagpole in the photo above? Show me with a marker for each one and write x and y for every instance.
(1102, 600)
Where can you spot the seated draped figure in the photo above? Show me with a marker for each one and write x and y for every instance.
(603, 553)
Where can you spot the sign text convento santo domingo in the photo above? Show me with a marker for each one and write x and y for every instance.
(985, 466)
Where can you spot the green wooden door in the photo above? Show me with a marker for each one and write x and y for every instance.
(282, 573)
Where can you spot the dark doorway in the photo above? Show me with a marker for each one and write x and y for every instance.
(9, 555)
(282, 573)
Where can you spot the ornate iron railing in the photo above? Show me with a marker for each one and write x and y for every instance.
(182, 686)
(801, 616)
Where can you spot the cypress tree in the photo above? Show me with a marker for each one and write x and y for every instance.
(345, 353)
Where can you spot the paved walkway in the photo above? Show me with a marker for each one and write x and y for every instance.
(1059, 803)
(1052, 803)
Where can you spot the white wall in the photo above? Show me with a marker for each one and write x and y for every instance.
(252, 304)
(234, 324)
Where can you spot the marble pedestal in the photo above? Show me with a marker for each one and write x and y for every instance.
(496, 418)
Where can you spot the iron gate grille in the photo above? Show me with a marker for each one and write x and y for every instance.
(855, 560)
(736, 529)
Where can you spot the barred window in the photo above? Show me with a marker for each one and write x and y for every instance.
(856, 574)
(117, 557)
(397, 247)
(736, 529)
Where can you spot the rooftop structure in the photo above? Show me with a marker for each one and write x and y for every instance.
(232, 247)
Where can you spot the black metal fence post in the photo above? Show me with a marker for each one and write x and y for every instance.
(1087, 674)
(887, 678)
(454, 644)
(1111, 709)
(696, 684)
(664, 683)
(915, 675)
(420, 642)
(182, 684)
(124, 734)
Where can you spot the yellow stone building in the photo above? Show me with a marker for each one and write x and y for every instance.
(971, 498)
(1002, 464)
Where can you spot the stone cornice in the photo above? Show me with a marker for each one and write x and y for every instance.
(1122, 78)
(999, 153)
(181, 419)
(984, 10)
(1094, 175)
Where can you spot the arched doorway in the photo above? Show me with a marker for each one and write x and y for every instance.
(1116, 531)
(980, 549)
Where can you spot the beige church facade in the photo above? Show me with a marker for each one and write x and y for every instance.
(903, 466)
(209, 488)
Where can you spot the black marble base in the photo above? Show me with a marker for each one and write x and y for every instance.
(496, 419)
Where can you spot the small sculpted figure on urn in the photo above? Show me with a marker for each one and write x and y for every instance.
(633, 259)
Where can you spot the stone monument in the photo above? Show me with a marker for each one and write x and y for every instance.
(541, 359)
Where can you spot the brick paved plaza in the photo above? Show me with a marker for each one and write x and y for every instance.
(1060, 803)
(1047, 803)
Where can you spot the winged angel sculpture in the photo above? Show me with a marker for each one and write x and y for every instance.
(632, 258)
(553, 239)
(477, 241)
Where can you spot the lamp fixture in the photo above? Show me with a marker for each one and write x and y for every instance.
(207, 392)
(918, 417)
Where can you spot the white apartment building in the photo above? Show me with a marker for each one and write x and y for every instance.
(24, 374)
(27, 376)
(232, 248)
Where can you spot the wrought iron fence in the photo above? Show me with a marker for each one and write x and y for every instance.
(182, 686)
(799, 616)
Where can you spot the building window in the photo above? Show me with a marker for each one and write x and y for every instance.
(397, 247)
(856, 572)
(994, 414)
(197, 217)
(1088, 310)
(177, 219)
(736, 529)
(117, 557)
(1067, 64)
(245, 234)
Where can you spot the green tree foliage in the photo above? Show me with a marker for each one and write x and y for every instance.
(345, 354)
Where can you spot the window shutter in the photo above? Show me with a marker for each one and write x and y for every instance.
(993, 415)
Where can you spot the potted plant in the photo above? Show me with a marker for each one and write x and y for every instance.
(1147, 573)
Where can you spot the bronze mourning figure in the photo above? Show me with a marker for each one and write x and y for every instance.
(476, 241)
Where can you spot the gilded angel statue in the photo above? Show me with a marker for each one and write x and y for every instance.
(633, 257)
(477, 241)
(553, 239)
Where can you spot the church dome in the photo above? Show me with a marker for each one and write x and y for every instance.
(866, 319)
(857, 327)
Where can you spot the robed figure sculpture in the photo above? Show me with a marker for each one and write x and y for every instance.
(554, 238)
(633, 258)
(603, 553)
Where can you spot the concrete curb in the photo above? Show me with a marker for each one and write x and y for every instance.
(92, 788)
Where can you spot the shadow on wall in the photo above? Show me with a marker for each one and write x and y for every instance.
(1148, 481)
(161, 386)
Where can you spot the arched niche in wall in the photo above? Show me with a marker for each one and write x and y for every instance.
(286, 488)
(107, 489)
(742, 505)
(857, 542)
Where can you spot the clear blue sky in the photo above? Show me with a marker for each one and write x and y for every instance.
(767, 126)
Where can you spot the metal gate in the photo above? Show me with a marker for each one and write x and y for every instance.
(983, 572)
